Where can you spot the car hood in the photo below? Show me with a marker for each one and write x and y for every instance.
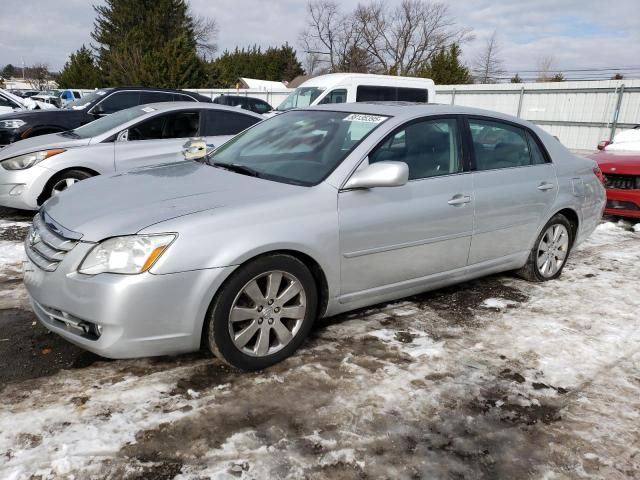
(623, 163)
(125, 203)
(42, 142)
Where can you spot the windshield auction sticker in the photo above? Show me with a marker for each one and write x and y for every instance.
(361, 117)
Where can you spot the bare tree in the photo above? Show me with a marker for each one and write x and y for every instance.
(545, 68)
(329, 35)
(488, 66)
(205, 32)
(39, 76)
(401, 39)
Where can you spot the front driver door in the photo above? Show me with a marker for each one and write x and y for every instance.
(398, 234)
(157, 140)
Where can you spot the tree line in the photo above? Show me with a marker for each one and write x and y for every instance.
(163, 43)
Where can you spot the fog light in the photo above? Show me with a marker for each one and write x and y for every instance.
(17, 190)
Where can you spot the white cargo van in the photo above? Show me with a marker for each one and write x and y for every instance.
(358, 87)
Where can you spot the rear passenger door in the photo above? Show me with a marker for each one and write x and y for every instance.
(220, 125)
(514, 186)
(157, 140)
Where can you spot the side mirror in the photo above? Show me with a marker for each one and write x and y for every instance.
(380, 174)
(196, 149)
(123, 136)
(98, 111)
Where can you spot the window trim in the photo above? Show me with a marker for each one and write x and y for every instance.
(473, 164)
(464, 160)
(90, 111)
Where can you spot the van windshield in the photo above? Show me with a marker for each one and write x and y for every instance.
(300, 97)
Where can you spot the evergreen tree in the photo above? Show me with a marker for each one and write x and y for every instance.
(149, 43)
(9, 71)
(80, 71)
(516, 78)
(445, 67)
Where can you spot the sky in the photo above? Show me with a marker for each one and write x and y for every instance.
(577, 33)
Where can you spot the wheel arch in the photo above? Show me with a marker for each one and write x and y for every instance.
(574, 220)
(56, 175)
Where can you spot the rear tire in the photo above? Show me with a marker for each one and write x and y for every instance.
(550, 252)
(61, 182)
(263, 312)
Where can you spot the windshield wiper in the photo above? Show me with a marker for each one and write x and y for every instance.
(237, 168)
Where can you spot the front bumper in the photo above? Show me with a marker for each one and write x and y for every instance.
(9, 135)
(133, 315)
(623, 203)
(21, 188)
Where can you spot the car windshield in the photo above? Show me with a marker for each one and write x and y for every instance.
(107, 123)
(300, 97)
(299, 147)
(83, 102)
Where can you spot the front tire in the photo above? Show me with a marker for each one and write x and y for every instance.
(550, 252)
(263, 313)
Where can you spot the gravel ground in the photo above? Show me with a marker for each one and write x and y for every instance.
(496, 378)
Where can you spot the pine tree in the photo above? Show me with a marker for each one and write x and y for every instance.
(149, 43)
(9, 71)
(445, 67)
(80, 71)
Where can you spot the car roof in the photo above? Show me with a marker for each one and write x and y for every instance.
(410, 110)
(172, 106)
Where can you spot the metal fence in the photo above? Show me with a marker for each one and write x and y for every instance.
(580, 114)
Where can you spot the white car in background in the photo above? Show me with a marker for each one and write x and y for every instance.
(13, 103)
(34, 169)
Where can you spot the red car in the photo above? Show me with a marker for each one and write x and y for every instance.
(621, 170)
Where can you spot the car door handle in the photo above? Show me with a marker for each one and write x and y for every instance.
(544, 186)
(458, 200)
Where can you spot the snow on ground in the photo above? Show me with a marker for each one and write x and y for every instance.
(498, 378)
(12, 294)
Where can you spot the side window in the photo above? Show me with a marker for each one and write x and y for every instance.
(172, 125)
(179, 97)
(76, 94)
(4, 102)
(498, 145)
(335, 96)
(413, 95)
(261, 107)
(430, 148)
(537, 157)
(226, 123)
(367, 93)
(119, 101)
(155, 97)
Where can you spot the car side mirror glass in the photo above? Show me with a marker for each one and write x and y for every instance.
(380, 174)
(123, 136)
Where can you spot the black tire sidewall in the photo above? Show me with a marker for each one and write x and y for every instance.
(217, 332)
(557, 219)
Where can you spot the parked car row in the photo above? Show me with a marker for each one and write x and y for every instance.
(315, 211)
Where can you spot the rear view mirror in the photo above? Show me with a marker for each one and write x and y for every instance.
(380, 174)
(196, 149)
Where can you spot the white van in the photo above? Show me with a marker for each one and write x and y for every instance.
(358, 87)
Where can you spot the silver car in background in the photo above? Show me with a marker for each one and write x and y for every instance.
(308, 214)
(34, 169)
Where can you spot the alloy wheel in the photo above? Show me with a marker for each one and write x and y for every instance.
(553, 250)
(267, 313)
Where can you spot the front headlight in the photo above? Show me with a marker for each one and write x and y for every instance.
(29, 159)
(13, 124)
(128, 255)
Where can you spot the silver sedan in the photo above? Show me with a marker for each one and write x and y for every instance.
(308, 214)
(34, 169)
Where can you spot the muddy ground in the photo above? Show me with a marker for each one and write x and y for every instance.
(496, 378)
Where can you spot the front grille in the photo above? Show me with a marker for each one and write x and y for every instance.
(44, 247)
(622, 182)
